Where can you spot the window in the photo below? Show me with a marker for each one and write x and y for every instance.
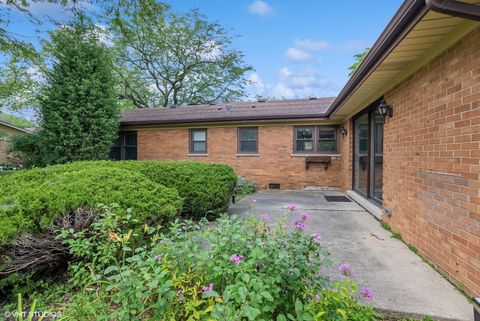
(327, 140)
(248, 140)
(304, 139)
(198, 141)
(316, 140)
(125, 147)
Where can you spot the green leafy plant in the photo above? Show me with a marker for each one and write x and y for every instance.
(78, 109)
(31, 200)
(234, 270)
(206, 188)
(244, 187)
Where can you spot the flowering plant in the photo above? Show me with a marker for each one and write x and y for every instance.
(234, 269)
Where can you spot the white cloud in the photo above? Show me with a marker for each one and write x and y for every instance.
(354, 45)
(290, 83)
(260, 7)
(312, 45)
(298, 55)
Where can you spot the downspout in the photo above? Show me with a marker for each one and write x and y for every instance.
(455, 8)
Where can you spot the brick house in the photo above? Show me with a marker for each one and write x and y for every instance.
(402, 137)
(8, 130)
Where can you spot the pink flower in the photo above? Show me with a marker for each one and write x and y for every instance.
(292, 207)
(299, 225)
(367, 293)
(346, 270)
(316, 238)
(304, 216)
(237, 259)
(207, 288)
(265, 218)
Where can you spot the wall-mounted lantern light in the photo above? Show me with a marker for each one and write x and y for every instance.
(385, 109)
(343, 131)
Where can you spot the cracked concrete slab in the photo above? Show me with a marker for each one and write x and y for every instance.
(400, 280)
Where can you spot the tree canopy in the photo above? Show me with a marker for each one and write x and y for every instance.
(78, 110)
(358, 60)
(167, 59)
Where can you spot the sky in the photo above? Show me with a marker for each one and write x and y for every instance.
(298, 49)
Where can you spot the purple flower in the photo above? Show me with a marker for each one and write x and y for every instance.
(236, 259)
(159, 257)
(317, 297)
(299, 225)
(316, 238)
(367, 293)
(304, 216)
(265, 218)
(292, 207)
(161, 241)
(180, 293)
(346, 270)
(207, 288)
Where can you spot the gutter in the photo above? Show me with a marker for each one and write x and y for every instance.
(455, 8)
(221, 119)
(406, 18)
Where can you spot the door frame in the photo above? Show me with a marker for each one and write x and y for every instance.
(368, 110)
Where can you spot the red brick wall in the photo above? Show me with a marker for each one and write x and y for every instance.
(432, 161)
(274, 163)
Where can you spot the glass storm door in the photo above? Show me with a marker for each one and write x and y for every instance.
(368, 155)
(361, 155)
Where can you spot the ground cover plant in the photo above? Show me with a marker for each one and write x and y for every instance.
(231, 269)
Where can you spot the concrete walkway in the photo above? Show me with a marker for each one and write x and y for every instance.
(400, 280)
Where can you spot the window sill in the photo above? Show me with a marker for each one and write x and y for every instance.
(248, 155)
(198, 155)
(306, 155)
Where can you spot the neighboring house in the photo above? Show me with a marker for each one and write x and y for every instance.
(402, 137)
(8, 130)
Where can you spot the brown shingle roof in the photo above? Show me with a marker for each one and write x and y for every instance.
(242, 111)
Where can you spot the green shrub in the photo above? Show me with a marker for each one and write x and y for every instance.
(244, 187)
(30, 200)
(206, 188)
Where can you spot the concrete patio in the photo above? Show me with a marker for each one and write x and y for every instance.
(400, 280)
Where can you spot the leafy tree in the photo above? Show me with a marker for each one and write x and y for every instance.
(20, 59)
(78, 110)
(167, 59)
(358, 60)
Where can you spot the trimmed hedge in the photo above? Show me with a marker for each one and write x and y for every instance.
(206, 188)
(30, 200)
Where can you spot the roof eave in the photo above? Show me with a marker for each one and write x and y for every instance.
(399, 26)
(222, 119)
(14, 127)
(406, 18)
